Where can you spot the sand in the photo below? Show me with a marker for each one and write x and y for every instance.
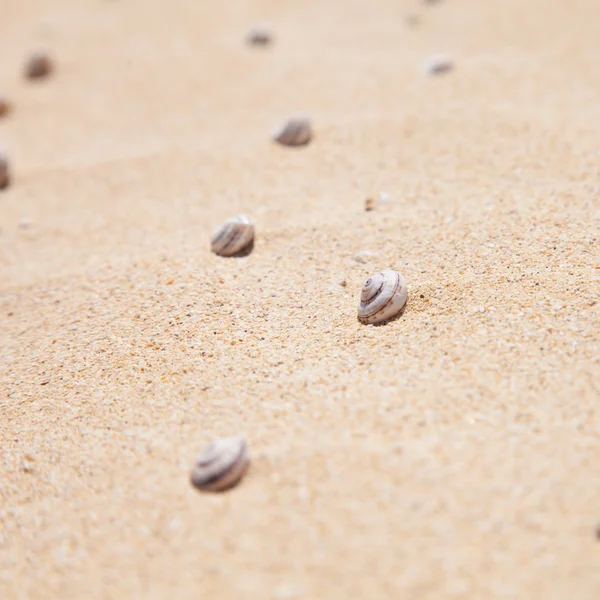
(452, 453)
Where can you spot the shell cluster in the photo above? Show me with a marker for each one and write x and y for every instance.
(221, 465)
(233, 237)
(383, 296)
(295, 131)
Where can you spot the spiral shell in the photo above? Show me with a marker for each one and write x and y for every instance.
(383, 296)
(296, 131)
(222, 464)
(233, 237)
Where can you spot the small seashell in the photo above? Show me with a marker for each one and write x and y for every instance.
(221, 465)
(5, 106)
(233, 237)
(383, 296)
(4, 171)
(364, 256)
(437, 65)
(259, 35)
(296, 131)
(38, 65)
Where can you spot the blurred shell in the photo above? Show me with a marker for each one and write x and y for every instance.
(4, 171)
(222, 464)
(5, 106)
(38, 65)
(296, 131)
(383, 296)
(259, 35)
(233, 236)
(364, 256)
(437, 65)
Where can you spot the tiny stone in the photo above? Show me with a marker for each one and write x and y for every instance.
(438, 65)
(24, 223)
(38, 65)
(4, 171)
(260, 35)
(341, 282)
(370, 204)
(384, 197)
(5, 106)
(364, 256)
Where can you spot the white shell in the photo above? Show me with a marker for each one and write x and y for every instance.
(296, 131)
(222, 464)
(437, 65)
(383, 296)
(233, 236)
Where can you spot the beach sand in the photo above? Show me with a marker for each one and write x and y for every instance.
(452, 453)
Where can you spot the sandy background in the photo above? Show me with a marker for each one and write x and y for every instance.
(450, 454)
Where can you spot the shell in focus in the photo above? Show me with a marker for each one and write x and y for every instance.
(295, 131)
(233, 237)
(383, 296)
(222, 464)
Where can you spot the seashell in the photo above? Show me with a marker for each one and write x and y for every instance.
(259, 35)
(383, 296)
(221, 465)
(4, 171)
(364, 256)
(437, 65)
(233, 237)
(38, 65)
(296, 131)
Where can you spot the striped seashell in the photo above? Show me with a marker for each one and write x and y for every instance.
(222, 464)
(383, 296)
(295, 131)
(233, 237)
